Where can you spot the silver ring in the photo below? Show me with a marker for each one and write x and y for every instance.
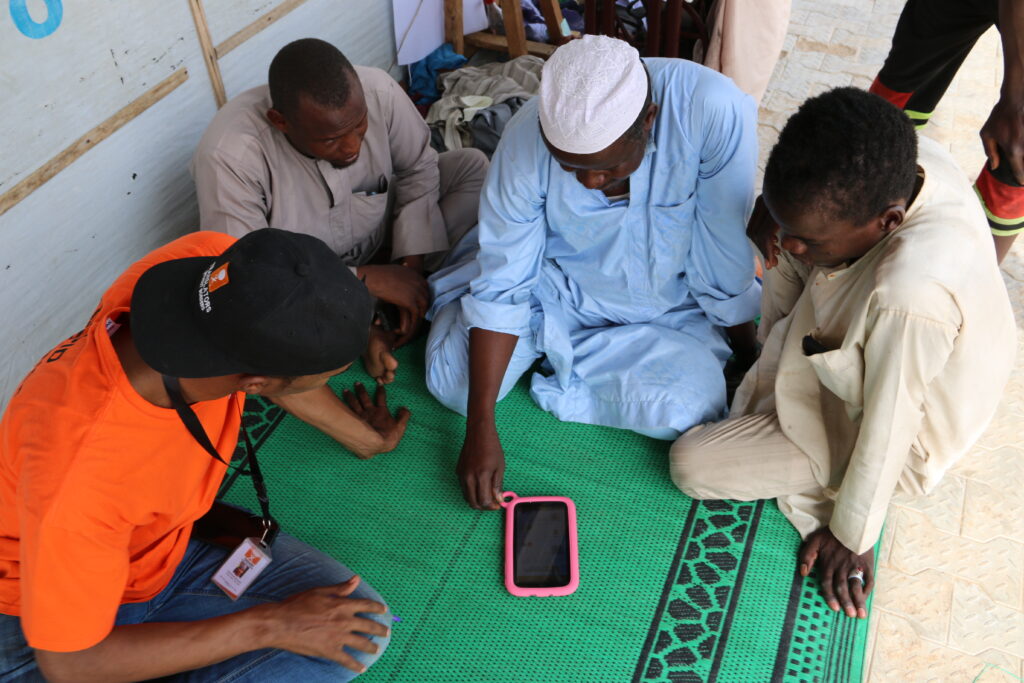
(856, 574)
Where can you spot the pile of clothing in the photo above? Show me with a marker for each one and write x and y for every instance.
(478, 101)
(533, 20)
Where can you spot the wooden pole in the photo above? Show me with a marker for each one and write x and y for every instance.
(673, 21)
(209, 53)
(653, 11)
(590, 16)
(255, 27)
(552, 12)
(608, 17)
(453, 27)
(515, 30)
(34, 180)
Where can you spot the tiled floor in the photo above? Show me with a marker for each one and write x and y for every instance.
(950, 597)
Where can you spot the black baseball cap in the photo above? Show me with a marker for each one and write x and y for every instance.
(275, 303)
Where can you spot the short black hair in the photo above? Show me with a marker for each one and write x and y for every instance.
(312, 67)
(846, 153)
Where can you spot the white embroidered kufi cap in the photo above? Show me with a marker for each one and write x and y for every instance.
(591, 92)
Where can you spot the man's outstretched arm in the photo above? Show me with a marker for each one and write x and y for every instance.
(482, 461)
(365, 426)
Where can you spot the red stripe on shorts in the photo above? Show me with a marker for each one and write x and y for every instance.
(1002, 200)
(897, 98)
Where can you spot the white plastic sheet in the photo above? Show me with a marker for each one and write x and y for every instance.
(419, 25)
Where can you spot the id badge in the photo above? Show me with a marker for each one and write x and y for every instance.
(242, 567)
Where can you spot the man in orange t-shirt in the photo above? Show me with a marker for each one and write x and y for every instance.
(102, 481)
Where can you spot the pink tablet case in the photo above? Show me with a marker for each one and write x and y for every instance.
(509, 500)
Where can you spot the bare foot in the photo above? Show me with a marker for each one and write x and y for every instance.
(377, 359)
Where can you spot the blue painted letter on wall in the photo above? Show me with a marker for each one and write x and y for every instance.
(32, 28)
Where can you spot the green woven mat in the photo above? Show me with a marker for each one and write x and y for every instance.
(671, 589)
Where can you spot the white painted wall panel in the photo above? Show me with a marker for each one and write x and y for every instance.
(104, 55)
(228, 17)
(362, 29)
(419, 25)
(62, 245)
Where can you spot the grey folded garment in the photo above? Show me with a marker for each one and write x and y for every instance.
(463, 90)
(486, 127)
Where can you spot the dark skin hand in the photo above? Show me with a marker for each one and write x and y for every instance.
(481, 464)
(763, 232)
(1003, 133)
(321, 621)
(375, 413)
(415, 264)
(481, 468)
(743, 341)
(405, 288)
(833, 563)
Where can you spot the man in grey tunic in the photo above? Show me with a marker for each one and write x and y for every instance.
(340, 152)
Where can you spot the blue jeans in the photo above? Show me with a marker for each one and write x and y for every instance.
(191, 596)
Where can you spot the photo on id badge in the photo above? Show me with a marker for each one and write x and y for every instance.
(241, 568)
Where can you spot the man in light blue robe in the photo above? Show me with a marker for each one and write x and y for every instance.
(611, 243)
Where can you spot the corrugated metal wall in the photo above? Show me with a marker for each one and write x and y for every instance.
(104, 102)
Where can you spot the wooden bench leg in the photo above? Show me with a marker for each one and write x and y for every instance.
(553, 19)
(453, 29)
(515, 30)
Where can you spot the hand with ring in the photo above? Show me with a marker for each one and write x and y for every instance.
(846, 578)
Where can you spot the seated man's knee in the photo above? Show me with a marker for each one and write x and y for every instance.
(368, 659)
(475, 163)
(447, 359)
(365, 591)
(452, 395)
(463, 169)
(282, 665)
(692, 466)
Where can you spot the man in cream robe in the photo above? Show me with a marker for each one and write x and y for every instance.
(888, 338)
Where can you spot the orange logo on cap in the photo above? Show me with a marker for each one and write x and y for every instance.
(219, 278)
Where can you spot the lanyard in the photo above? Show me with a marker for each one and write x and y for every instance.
(195, 428)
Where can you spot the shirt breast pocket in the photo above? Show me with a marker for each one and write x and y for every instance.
(673, 222)
(365, 224)
(842, 372)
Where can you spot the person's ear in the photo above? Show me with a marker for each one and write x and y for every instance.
(252, 384)
(652, 113)
(892, 218)
(277, 120)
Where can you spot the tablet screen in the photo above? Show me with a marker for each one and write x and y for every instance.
(540, 542)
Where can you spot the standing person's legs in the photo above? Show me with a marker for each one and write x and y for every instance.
(932, 39)
(462, 178)
(750, 458)
(448, 359)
